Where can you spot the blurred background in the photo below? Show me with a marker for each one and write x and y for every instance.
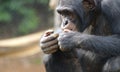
(22, 22)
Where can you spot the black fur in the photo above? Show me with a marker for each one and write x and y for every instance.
(98, 51)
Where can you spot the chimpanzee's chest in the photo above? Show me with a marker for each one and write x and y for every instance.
(100, 27)
(101, 30)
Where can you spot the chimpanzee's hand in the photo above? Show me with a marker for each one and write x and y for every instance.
(49, 42)
(70, 40)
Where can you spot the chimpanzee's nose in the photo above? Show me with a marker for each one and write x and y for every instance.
(66, 22)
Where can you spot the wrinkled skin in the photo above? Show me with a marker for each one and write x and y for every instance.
(49, 42)
(70, 37)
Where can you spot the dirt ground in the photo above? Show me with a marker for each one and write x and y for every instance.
(27, 64)
(26, 61)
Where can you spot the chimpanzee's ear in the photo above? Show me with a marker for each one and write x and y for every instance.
(89, 4)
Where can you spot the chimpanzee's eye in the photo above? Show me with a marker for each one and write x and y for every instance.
(66, 12)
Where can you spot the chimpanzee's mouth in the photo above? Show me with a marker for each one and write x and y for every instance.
(69, 27)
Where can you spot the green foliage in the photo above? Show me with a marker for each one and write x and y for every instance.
(43, 1)
(24, 8)
(5, 16)
(30, 22)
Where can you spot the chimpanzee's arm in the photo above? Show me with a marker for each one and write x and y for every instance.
(103, 45)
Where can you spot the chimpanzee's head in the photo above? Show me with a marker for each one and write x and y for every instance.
(77, 14)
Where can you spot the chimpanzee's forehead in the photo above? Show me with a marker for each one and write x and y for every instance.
(70, 2)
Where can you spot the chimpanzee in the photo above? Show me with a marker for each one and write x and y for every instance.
(89, 40)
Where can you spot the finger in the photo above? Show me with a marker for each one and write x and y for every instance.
(48, 44)
(61, 37)
(66, 30)
(51, 49)
(50, 52)
(49, 32)
(49, 38)
(61, 47)
(63, 33)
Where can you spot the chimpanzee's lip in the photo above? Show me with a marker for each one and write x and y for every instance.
(66, 30)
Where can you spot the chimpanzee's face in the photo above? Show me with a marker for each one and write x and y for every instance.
(69, 19)
(76, 14)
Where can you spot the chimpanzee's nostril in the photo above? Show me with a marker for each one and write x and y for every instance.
(66, 22)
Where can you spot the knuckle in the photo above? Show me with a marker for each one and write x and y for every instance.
(62, 49)
(46, 52)
(51, 49)
(43, 45)
(60, 38)
(59, 43)
(41, 39)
